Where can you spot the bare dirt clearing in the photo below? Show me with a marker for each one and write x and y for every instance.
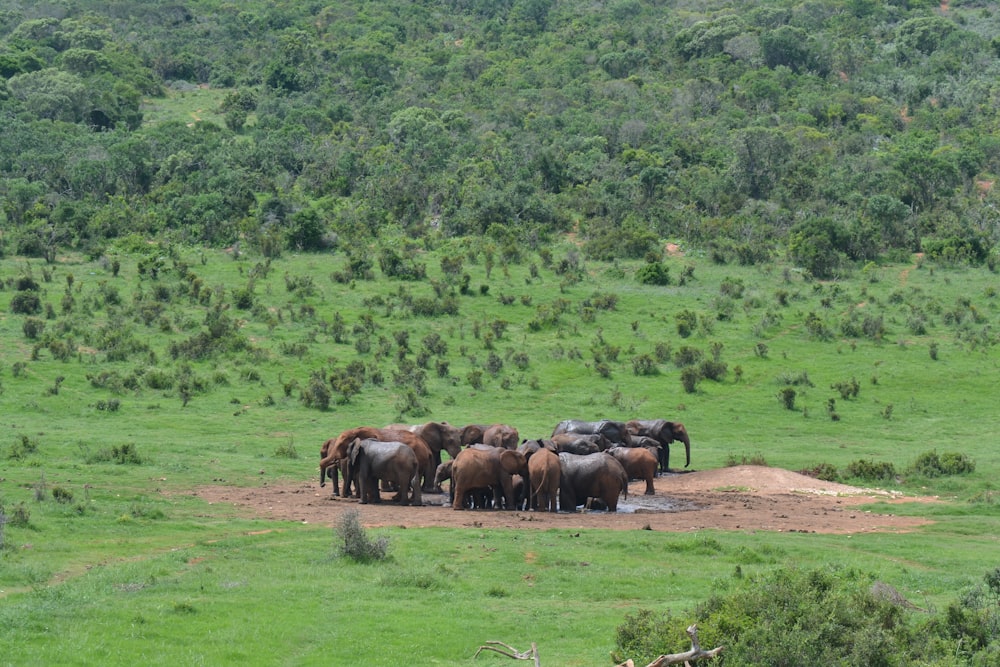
(737, 498)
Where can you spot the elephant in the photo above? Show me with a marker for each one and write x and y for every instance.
(474, 498)
(664, 432)
(501, 435)
(333, 455)
(473, 434)
(372, 460)
(639, 463)
(591, 476)
(438, 436)
(614, 431)
(543, 475)
(494, 467)
(580, 443)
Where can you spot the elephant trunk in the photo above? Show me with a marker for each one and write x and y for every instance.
(687, 451)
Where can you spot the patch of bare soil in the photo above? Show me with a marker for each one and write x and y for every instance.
(747, 498)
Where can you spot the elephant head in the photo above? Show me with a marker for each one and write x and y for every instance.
(438, 436)
(676, 431)
(665, 432)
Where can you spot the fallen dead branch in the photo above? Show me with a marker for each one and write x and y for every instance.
(696, 652)
(511, 652)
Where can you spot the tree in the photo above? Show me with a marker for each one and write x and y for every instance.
(818, 245)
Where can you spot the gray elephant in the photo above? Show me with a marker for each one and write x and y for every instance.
(494, 467)
(580, 443)
(369, 461)
(664, 432)
(614, 431)
(591, 476)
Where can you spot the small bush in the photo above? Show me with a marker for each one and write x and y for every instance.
(744, 460)
(929, 464)
(352, 540)
(26, 303)
(787, 398)
(62, 495)
(847, 389)
(33, 328)
(690, 377)
(22, 447)
(644, 364)
(286, 451)
(871, 471)
(824, 471)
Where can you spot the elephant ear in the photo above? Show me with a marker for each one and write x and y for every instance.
(354, 451)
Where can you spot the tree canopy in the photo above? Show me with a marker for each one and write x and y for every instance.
(839, 130)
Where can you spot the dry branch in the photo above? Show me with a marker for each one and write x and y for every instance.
(696, 653)
(511, 652)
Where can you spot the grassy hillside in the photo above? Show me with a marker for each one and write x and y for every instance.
(159, 368)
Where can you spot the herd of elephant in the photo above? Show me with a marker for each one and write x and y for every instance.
(585, 463)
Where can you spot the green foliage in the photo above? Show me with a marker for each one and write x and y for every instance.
(653, 273)
(930, 464)
(803, 616)
(871, 471)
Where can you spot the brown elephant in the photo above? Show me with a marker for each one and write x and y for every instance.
(333, 455)
(639, 463)
(473, 434)
(583, 478)
(492, 467)
(543, 475)
(481, 498)
(439, 436)
(664, 432)
(369, 461)
(501, 435)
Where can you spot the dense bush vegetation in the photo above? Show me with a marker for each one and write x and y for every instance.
(823, 617)
(842, 131)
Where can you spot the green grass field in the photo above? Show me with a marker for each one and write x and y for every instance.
(123, 392)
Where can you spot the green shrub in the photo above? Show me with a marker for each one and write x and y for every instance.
(787, 398)
(644, 365)
(645, 635)
(33, 328)
(352, 541)
(62, 495)
(653, 273)
(929, 464)
(26, 303)
(871, 471)
(847, 389)
(744, 460)
(22, 447)
(824, 471)
(690, 377)
(687, 356)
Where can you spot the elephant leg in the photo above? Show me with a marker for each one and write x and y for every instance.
(650, 491)
(416, 499)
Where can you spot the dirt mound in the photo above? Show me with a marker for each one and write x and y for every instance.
(736, 498)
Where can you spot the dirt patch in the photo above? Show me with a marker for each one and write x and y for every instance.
(745, 498)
